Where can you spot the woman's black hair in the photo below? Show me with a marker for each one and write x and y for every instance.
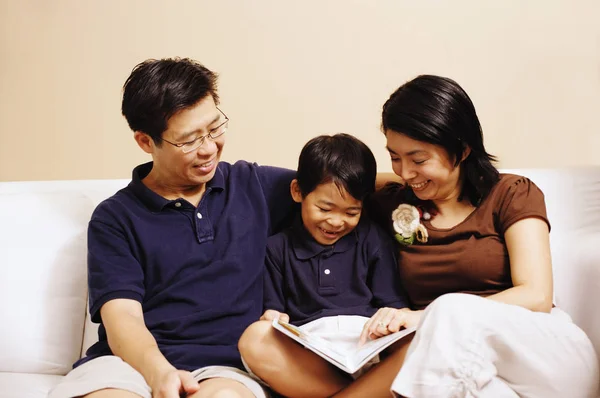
(437, 110)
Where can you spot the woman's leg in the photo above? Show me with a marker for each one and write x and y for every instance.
(287, 367)
(467, 346)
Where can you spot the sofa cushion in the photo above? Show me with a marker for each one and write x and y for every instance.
(26, 385)
(43, 273)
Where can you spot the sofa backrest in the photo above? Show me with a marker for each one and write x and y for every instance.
(43, 291)
(573, 206)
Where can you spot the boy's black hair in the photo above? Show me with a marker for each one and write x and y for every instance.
(157, 89)
(342, 159)
(437, 110)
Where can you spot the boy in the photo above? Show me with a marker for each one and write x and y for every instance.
(328, 273)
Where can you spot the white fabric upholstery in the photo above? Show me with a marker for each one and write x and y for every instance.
(44, 326)
(42, 253)
(26, 385)
(90, 335)
(43, 280)
(573, 204)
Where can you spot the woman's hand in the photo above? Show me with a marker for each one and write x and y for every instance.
(389, 320)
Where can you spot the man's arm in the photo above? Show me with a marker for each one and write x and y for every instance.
(130, 340)
(275, 183)
(116, 288)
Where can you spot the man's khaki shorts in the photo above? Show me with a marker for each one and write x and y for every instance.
(112, 372)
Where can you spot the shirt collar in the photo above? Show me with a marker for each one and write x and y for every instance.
(305, 246)
(156, 202)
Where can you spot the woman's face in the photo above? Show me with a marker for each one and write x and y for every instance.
(427, 168)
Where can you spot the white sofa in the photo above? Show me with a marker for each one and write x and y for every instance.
(44, 325)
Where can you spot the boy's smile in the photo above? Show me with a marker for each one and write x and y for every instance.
(329, 212)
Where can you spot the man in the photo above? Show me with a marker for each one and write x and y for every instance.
(175, 259)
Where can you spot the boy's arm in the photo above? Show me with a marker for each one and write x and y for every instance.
(384, 276)
(274, 299)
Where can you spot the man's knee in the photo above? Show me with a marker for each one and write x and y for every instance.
(112, 393)
(220, 387)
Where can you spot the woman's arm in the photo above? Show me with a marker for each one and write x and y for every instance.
(528, 244)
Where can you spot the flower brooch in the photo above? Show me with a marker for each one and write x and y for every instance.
(407, 224)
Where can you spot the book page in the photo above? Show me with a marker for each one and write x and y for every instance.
(313, 343)
(371, 348)
(351, 358)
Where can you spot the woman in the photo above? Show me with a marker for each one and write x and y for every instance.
(475, 256)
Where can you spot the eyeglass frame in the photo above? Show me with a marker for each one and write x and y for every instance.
(202, 138)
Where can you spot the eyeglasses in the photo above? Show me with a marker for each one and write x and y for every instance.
(196, 143)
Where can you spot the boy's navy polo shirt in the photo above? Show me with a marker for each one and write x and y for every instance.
(197, 271)
(355, 276)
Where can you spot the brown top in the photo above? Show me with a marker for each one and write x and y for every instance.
(471, 257)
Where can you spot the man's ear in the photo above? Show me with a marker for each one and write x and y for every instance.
(144, 141)
(295, 191)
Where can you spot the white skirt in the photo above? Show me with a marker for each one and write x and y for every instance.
(469, 346)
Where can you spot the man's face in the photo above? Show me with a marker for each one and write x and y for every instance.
(197, 167)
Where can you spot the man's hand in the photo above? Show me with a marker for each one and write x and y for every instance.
(172, 383)
(389, 320)
(269, 315)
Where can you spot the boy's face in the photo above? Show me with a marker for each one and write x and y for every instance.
(328, 213)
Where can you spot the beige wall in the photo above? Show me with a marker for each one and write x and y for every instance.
(293, 69)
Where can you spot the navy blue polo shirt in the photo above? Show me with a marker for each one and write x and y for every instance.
(355, 276)
(197, 271)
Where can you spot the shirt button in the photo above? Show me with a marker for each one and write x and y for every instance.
(177, 204)
(199, 216)
(327, 272)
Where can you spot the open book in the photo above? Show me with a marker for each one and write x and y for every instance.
(349, 361)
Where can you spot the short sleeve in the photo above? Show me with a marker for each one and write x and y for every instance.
(519, 198)
(113, 271)
(273, 276)
(384, 276)
(275, 182)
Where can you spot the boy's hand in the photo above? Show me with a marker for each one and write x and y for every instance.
(389, 320)
(269, 315)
